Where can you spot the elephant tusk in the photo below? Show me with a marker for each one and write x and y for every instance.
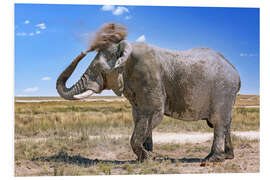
(84, 94)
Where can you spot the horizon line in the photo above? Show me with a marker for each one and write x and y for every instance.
(107, 95)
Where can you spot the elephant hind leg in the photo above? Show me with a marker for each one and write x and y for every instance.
(221, 117)
(228, 147)
(217, 151)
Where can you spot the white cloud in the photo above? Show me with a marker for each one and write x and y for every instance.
(107, 8)
(21, 95)
(248, 54)
(41, 25)
(128, 17)
(36, 29)
(46, 78)
(21, 34)
(252, 54)
(87, 35)
(34, 89)
(120, 10)
(141, 38)
(243, 54)
(26, 34)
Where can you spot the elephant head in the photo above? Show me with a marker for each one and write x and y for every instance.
(103, 73)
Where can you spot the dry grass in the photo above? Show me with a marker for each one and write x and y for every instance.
(52, 138)
(71, 118)
(247, 100)
(80, 118)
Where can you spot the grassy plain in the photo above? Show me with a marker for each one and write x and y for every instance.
(56, 138)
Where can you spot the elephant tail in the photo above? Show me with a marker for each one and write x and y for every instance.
(239, 85)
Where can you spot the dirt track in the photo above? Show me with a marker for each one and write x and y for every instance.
(180, 138)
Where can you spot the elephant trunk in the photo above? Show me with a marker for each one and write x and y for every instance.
(77, 91)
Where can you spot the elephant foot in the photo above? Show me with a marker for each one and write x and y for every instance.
(152, 156)
(144, 155)
(214, 157)
(229, 155)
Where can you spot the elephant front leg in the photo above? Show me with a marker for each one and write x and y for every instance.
(141, 140)
(148, 143)
(141, 131)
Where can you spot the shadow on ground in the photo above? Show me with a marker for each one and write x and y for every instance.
(82, 161)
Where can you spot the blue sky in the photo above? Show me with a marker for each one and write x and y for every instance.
(48, 37)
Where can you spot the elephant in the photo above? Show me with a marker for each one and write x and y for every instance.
(190, 85)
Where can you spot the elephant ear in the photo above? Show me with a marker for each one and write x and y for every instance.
(126, 49)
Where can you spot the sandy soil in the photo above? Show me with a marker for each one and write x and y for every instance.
(247, 106)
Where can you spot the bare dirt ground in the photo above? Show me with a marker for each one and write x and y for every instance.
(176, 154)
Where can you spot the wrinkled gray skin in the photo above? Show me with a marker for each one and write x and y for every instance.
(197, 84)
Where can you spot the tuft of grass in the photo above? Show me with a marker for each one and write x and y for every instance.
(58, 170)
(170, 147)
(105, 168)
(231, 167)
(129, 168)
